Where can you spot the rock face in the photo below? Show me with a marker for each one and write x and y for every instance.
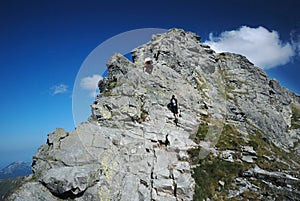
(237, 137)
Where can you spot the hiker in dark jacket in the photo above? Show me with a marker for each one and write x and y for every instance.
(174, 106)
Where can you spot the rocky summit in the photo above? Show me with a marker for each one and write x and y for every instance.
(237, 137)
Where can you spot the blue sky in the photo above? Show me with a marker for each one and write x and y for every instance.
(43, 44)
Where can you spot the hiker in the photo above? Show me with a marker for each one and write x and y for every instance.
(148, 65)
(174, 106)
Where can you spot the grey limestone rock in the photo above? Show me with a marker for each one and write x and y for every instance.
(131, 149)
(76, 180)
(33, 191)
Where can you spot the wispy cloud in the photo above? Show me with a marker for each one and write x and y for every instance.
(58, 89)
(261, 46)
(90, 83)
(295, 40)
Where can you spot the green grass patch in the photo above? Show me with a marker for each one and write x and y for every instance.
(253, 144)
(209, 171)
(265, 148)
(112, 85)
(107, 93)
(201, 132)
(230, 138)
(208, 175)
(194, 156)
(143, 117)
(295, 121)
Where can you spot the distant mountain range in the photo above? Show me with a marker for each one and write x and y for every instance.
(16, 169)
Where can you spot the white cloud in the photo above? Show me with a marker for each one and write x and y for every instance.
(261, 46)
(59, 89)
(90, 83)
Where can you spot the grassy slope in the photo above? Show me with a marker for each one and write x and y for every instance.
(212, 169)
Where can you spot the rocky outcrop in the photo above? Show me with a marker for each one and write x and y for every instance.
(237, 126)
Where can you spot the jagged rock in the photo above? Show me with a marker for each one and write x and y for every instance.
(131, 149)
(33, 191)
(244, 186)
(227, 155)
(222, 183)
(184, 182)
(74, 180)
(248, 159)
(248, 150)
(277, 177)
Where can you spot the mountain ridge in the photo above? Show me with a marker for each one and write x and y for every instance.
(238, 137)
(15, 169)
